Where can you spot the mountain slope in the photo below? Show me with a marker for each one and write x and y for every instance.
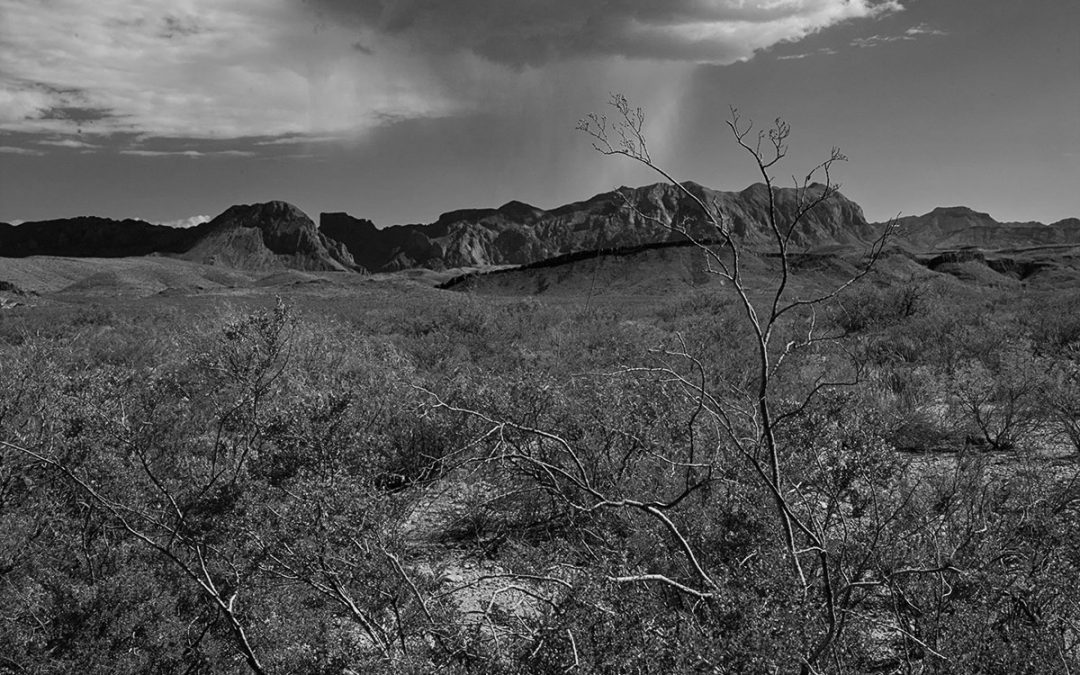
(89, 236)
(274, 235)
(960, 227)
(277, 235)
(269, 236)
(518, 233)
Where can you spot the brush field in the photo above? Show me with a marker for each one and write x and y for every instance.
(204, 470)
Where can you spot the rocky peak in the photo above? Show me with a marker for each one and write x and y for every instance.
(268, 235)
(520, 211)
(956, 212)
(273, 218)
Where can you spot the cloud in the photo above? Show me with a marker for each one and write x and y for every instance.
(824, 51)
(187, 153)
(69, 143)
(12, 150)
(262, 69)
(875, 40)
(924, 29)
(913, 33)
(184, 223)
(525, 32)
(196, 69)
(296, 140)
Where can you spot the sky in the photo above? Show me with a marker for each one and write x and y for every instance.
(399, 110)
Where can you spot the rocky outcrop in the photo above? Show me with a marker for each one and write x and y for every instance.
(518, 233)
(274, 235)
(8, 287)
(956, 257)
(371, 247)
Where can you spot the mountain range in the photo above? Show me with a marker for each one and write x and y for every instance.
(959, 227)
(518, 233)
(269, 236)
(277, 235)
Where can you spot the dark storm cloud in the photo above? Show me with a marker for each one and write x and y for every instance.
(248, 68)
(526, 32)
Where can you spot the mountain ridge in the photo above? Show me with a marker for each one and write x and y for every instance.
(89, 236)
(957, 227)
(277, 235)
(268, 236)
(518, 233)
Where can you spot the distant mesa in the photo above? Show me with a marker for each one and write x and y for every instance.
(958, 227)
